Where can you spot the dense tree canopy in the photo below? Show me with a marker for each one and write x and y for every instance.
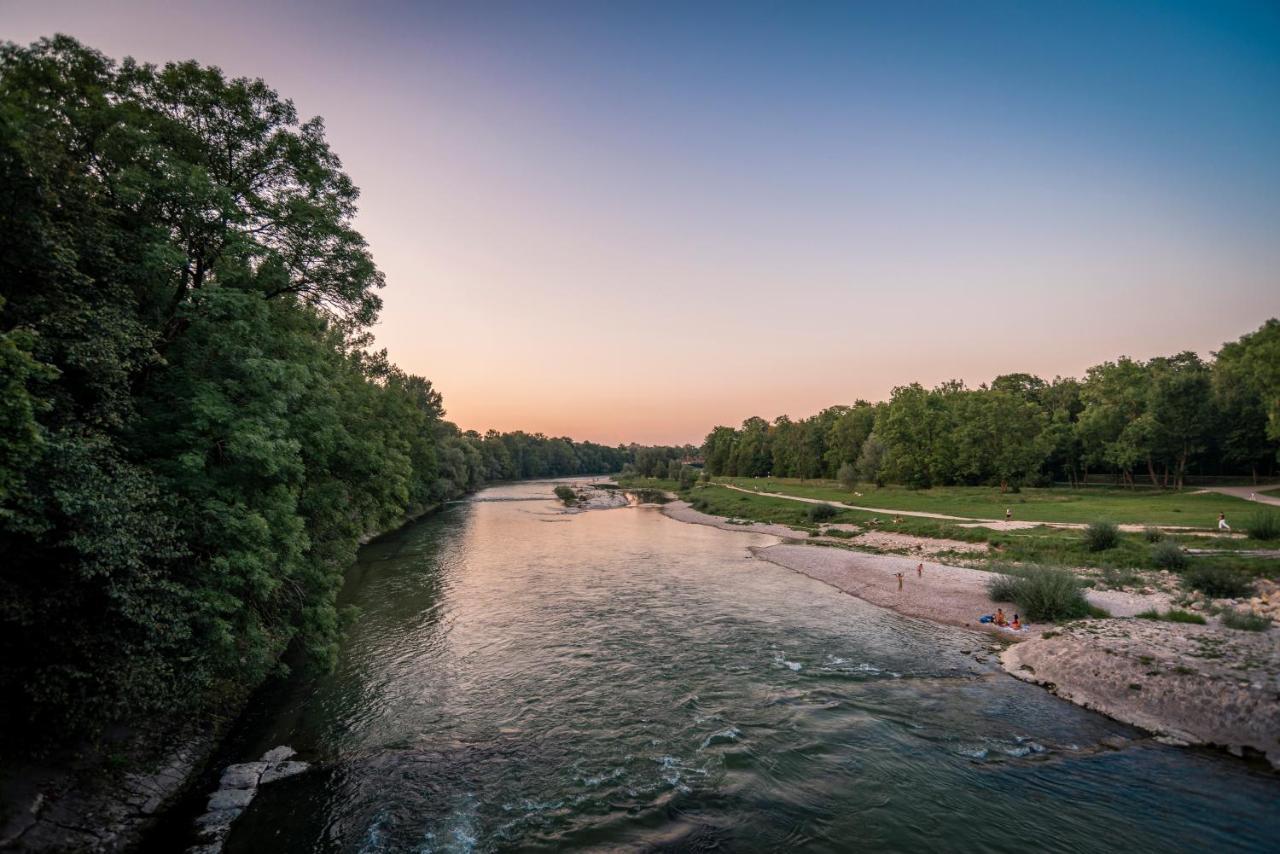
(194, 434)
(1156, 421)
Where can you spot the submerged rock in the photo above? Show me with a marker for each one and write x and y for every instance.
(236, 789)
(284, 769)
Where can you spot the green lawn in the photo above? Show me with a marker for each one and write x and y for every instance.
(1108, 504)
(1044, 545)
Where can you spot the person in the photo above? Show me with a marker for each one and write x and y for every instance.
(919, 570)
(1016, 624)
(1008, 514)
(899, 574)
(1000, 620)
(1222, 522)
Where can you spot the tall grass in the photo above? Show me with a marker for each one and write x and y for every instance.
(1217, 582)
(821, 512)
(1246, 621)
(1173, 615)
(1100, 536)
(1265, 526)
(1041, 593)
(1166, 554)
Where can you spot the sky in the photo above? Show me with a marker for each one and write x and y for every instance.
(633, 221)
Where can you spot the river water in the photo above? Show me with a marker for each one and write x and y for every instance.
(526, 678)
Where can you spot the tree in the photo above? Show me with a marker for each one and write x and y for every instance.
(1180, 406)
(871, 460)
(1247, 380)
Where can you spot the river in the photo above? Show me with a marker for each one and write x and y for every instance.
(522, 677)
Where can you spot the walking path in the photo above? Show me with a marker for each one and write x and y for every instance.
(1248, 493)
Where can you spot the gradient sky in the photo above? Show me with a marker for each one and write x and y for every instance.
(630, 222)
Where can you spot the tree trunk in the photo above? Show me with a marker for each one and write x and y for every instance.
(1151, 472)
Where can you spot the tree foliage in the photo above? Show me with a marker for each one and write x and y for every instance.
(195, 433)
(1157, 420)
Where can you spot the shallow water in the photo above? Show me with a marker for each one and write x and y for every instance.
(526, 678)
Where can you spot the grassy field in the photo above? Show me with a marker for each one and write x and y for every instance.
(1042, 545)
(1093, 504)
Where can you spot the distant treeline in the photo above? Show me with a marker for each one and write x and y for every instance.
(194, 435)
(1151, 422)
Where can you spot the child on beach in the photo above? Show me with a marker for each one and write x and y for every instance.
(1016, 625)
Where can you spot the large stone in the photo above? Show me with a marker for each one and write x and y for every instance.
(227, 799)
(216, 822)
(242, 776)
(284, 769)
(278, 754)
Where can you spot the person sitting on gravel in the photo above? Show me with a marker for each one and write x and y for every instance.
(1016, 625)
(1000, 620)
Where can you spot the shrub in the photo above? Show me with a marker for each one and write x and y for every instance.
(1041, 593)
(1245, 621)
(1003, 588)
(1218, 582)
(1166, 554)
(1100, 536)
(1152, 534)
(847, 475)
(688, 475)
(1265, 526)
(1173, 615)
(821, 512)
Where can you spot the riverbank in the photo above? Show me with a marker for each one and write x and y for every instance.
(1189, 684)
(106, 795)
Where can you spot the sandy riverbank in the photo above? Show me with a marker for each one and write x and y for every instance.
(1195, 684)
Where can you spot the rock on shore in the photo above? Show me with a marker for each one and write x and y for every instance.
(236, 789)
(1187, 683)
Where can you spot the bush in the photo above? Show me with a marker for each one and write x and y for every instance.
(821, 512)
(1003, 588)
(1217, 582)
(1265, 526)
(1041, 593)
(1166, 554)
(566, 494)
(1245, 621)
(1100, 536)
(1173, 615)
(1152, 534)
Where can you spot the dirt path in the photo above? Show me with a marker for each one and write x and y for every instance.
(1248, 493)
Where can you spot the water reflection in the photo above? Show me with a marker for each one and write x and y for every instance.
(523, 677)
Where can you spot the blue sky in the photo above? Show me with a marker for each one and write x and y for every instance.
(772, 207)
